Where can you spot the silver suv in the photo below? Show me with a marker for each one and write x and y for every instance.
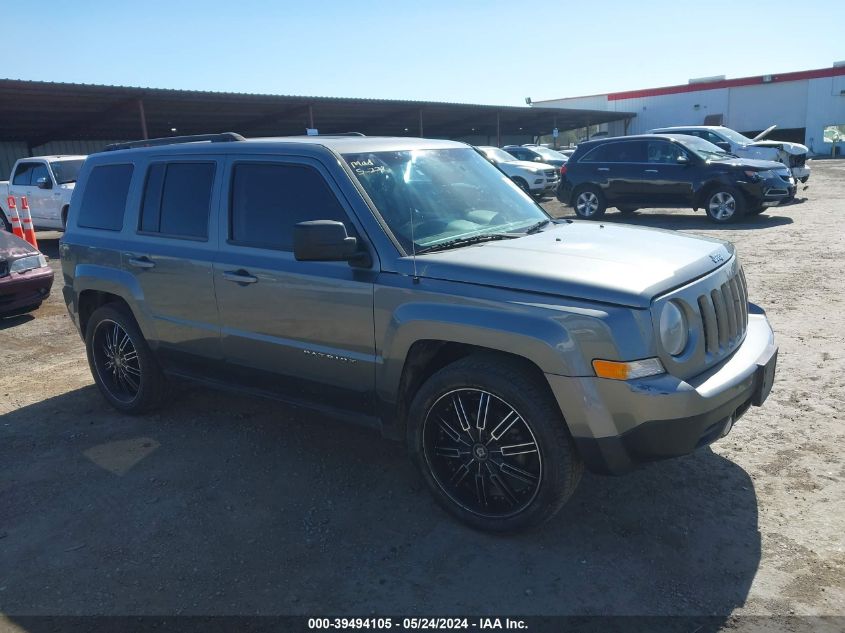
(409, 285)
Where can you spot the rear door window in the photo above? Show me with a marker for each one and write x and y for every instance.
(622, 152)
(104, 199)
(177, 199)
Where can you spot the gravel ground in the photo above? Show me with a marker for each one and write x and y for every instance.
(223, 504)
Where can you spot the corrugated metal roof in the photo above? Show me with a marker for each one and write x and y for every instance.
(40, 111)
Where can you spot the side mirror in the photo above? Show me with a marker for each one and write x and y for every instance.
(724, 145)
(683, 160)
(44, 183)
(323, 241)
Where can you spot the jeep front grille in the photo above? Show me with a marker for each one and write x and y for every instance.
(797, 160)
(550, 173)
(724, 314)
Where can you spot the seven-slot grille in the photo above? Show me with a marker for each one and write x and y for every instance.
(797, 160)
(724, 314)
(550, 173)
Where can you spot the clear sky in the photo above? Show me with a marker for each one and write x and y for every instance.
(465, 51)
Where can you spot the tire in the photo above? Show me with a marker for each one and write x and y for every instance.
(5, 224)
(474, 480)
(724, 204)
(136, 384)
(804, 179)
(755, 211)
(522, 185)
(589, 203)
(64, 219)
(628, 210)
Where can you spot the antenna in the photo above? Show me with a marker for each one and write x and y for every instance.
(414, 247)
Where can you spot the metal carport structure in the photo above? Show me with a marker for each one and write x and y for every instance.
(36, 113)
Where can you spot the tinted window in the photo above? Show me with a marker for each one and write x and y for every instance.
(104, 200)
(624, 152)
(39, 171)
(663, 152)
(23, 173)
(177, 197)
(65, 171)
(269, 199)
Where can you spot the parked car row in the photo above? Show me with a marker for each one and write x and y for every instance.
(671, 170)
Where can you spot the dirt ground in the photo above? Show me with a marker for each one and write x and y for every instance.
(228, 505)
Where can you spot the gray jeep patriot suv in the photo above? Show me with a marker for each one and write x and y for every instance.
(408, 284)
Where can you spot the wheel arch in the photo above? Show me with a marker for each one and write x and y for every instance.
(424, 338)
(99, 285)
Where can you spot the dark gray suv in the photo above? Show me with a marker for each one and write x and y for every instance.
(409, 285)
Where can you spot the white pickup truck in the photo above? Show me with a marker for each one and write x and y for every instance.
(47, 182)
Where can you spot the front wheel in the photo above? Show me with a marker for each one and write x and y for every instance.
(522, 184)
(628, 210)
(492, 445)
(121, 362)
(724, 204)
(589, 203)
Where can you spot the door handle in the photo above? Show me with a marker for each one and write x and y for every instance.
(651, 171)
(239, 277)
(603, 169)
(141, 262)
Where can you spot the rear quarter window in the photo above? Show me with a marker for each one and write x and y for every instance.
(104, 200)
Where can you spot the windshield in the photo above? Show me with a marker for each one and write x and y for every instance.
(550, 154)
(497, 155)
(65, 171)
(702, 149)
(428, 197)
(734, 136)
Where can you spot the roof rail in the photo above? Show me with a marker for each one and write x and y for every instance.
(223, 137)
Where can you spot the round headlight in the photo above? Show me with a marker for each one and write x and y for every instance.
(674, 332)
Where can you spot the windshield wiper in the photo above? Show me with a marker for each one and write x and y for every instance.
(534, 228)
(465, 241)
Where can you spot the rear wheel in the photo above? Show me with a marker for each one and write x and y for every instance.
(492, 445)
(123, 366)
(589, 203)
(724, 204)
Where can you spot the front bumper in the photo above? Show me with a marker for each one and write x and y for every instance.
(543, 185)
(20, 291)
(617, 425)
(800, 173)
(769, 192)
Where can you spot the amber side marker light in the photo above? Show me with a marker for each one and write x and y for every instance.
(616, 370)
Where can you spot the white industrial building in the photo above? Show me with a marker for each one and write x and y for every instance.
(808, 106)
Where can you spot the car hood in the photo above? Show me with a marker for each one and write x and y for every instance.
(796, 149)
(13, 247)
(609, 263)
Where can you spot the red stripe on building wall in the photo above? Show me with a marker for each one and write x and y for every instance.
(727, 83)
